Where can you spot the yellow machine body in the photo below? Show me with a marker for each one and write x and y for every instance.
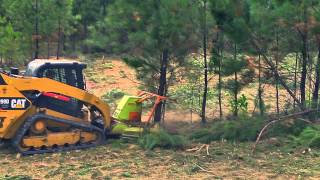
(11, 119)
(34, 111)
(48, 109)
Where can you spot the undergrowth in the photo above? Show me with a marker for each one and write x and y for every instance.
(242, 129)
(309, 137)
(162, 139)
(246, 128)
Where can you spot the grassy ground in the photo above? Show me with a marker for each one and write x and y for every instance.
(119, 160)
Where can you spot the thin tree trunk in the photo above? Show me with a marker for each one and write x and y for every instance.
(303, 73)
(191, 111)
(304, 36)
(163, 112)
(310, 79)
(48, 47)
(205, 90)
(295, 80)
(104, 4)
(220, 82)
(64, 45)
(36, 54)
(277, 62)
(164, 104)
(85, 35)
(315, 94)
(261, 108)
(74, 43)
(162, 84)
(59, 38)
(236, 83)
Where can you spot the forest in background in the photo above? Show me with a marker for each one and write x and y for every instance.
(250, 69)
(246, 43)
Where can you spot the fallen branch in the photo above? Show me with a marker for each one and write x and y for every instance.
(283, 118)
(204, 170)
(193, 149)
(198, 149)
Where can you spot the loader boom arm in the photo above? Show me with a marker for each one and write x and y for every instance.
(44, 85)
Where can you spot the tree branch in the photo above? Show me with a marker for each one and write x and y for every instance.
(275, 71)
(283, 118)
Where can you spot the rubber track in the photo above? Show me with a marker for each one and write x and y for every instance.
(27, 124)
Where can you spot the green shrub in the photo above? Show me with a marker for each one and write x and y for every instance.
(287, 128)
(162, 139)
(309, 137)
(243, 129)
(112, 95)
(246, 128)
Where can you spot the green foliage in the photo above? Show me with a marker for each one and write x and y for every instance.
(142, 31)
(20, 19)
(243, 129)
(112, 95)
(287, 128)
(241, 104)
(162, 139)
(231, 65)
(309, 137)
(10, 48)
(188, 95)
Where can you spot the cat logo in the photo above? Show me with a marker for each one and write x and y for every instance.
(18, 103)
(14, 103)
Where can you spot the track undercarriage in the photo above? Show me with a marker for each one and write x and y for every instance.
(35, 137)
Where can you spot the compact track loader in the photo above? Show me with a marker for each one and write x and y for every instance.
(48, 109)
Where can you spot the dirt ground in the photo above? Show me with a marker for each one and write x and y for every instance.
(120, 160)
(113, 74)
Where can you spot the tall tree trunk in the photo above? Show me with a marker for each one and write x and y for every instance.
(170, 79)
(64, 44)
(59, 38)
(205, 90)
(261, 106)
(310, 62)
(295, 79)
(315, 94)
(48, 47)
(303, 72)
(73, 43)
(277, 82)
(236, 83)
(85, 48)
(36, 53)
(192, 104)
(162, 83)
(220, 80)
(104, 4)
(304, 36)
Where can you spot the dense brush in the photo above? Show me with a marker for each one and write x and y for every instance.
(162, 139)
(309, 137)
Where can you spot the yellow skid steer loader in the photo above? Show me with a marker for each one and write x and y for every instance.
(48, 109)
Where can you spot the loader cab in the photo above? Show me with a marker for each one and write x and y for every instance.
(65, 71)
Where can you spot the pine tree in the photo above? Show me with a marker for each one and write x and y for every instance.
(154, 35)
